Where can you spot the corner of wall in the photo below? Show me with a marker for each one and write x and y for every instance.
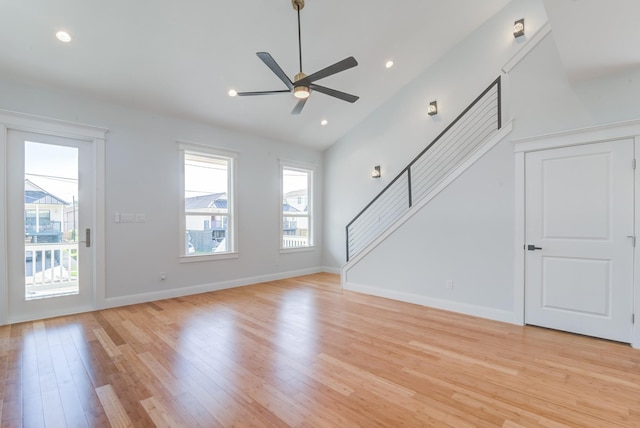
(4, 278)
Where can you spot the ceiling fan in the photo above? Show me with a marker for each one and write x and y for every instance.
(302, 84)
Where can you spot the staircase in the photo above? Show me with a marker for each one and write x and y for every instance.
(472, 133)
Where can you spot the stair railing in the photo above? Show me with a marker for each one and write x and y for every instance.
(478, 122)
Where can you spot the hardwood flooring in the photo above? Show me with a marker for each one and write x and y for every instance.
(301, 352)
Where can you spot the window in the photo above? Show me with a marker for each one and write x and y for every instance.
(208, 224)
(38, 221)
(297, 207)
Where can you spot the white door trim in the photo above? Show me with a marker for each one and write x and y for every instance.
(10, 120)
(615, 131)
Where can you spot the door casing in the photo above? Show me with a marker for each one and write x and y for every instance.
(578, 137)
(96, 135)
(583, 241)
(20, 308)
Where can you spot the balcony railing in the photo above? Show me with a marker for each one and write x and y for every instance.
(292, 241)
(53, 226)
(51, 269)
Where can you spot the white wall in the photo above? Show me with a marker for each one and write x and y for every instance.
(400, 129)
(142, 177)
(467, 233)
(543, 101)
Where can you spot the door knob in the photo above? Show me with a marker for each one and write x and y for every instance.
(533, 247)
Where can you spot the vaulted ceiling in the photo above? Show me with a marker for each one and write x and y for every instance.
(594, 37)
(182, 58)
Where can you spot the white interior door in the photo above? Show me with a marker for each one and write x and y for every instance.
(579, 235)
(50, 192)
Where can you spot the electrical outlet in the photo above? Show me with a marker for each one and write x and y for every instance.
(163, 276)
(449, 284)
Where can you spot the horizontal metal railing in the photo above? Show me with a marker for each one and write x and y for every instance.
(479, 121)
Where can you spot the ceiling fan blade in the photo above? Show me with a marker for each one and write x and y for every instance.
(339, 66)
(332, 92)
(245, 94)
(273, 65)
(299, 105)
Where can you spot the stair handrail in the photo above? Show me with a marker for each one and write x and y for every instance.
(407, 169)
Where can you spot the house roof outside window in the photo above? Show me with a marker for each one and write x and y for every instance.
(34, 194)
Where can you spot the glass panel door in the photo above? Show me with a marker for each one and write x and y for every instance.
(50, 222)
(51, 217)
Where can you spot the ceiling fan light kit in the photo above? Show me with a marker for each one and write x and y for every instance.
(302, 85)
(300, 92)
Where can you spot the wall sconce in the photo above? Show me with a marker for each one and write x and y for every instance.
(376, 172)
(518, 28)
(433, 108)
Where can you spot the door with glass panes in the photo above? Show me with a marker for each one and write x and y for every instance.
(50, 215)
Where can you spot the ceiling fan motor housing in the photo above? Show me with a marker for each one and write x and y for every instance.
(300, 91)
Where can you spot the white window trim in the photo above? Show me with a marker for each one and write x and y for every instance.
(304, 167)
(203, 149)
(208, 257)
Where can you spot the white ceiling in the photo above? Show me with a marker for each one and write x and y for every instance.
(595, 37)
(182, 57)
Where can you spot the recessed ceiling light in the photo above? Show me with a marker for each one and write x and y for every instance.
(389, 64)
(63, 36)
(233, 92)
(324, 122)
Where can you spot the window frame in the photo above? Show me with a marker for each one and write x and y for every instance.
(232, 213)
(310, 170)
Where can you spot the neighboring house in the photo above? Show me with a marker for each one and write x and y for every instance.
(296, 201)
(70, 224)
(289, 224)
(202, 227)
(44, 214)
(206, 230)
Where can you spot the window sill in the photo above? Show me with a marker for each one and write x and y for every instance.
(297, 249)
(208, 257)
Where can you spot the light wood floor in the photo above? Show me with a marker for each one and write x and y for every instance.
(301, 352)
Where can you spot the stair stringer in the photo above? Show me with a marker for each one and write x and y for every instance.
(499, 136)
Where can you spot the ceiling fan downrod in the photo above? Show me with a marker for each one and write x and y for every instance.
(298, 5)
(301, 92)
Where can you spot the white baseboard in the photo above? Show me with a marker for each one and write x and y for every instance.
(48, 314)
(113, 302)
(329, 269)
(447, 305)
